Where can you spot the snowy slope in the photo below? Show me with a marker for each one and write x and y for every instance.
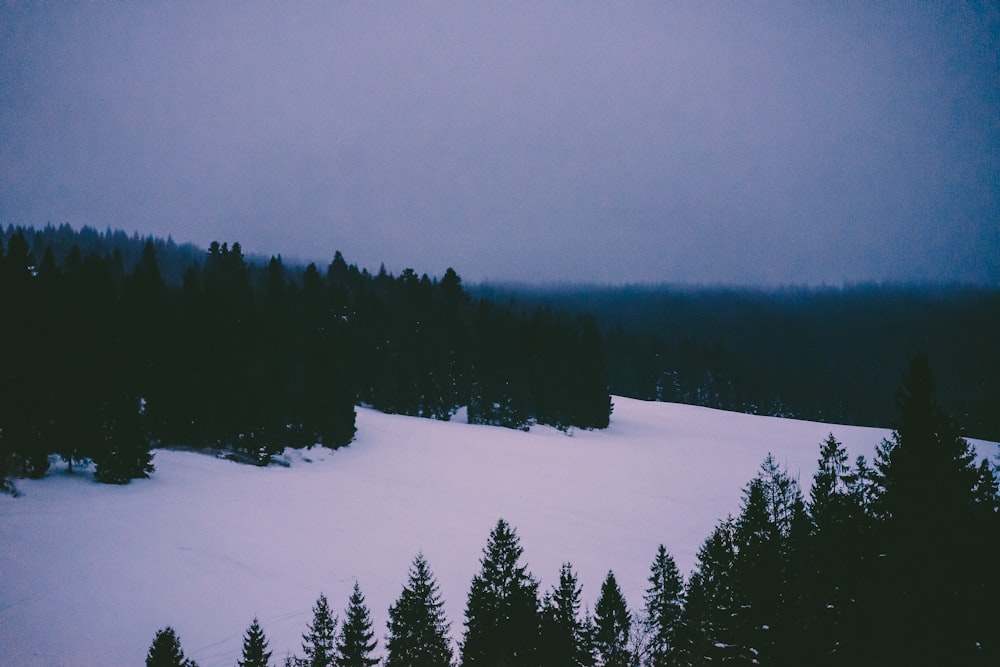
(88, 573)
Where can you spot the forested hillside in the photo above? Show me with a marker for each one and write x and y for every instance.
(826, 354)
(105, 353)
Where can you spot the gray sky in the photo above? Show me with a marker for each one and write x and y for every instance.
(744, 143)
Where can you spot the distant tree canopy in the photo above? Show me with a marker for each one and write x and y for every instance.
(111, 345)
(828, 354)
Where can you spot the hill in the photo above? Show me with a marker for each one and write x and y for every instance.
(91, 571)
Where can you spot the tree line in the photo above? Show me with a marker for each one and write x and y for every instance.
(105, 356)
(828, 354)
(891, 564)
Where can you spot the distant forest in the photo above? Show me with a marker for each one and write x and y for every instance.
(111, 338)
(112, 342)
(823, 354)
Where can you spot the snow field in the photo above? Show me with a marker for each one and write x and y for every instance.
(89, 572)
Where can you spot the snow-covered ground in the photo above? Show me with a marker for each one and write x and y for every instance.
(88, 572)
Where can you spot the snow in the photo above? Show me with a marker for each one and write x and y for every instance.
(91, 572)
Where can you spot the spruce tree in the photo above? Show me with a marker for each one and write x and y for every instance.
(838, 547)
(829, 485)
(664, 603)
(930, 526)
(255, 653)
(709, 636)
(318, 644)
(612, 625)
(166, 651)
(757, 574)
(356, 642)
(123, 452)
(502, 615)
(564, 633)
(418, 631)
(770, 537)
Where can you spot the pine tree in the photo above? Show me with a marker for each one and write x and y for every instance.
(123, 453)
(356, 642)
(709, 636)
(767, 567)
(664, 604)
(166, 651)
(829, 485)
(418, 631)
(839, 544)
(318, 644)
(255, 653)
(927, 500)
(612, 625)
(502, 615)
(925, 452)
(564, 633)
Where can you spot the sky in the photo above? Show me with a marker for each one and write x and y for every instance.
(764, 143)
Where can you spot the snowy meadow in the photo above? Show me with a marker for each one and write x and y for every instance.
(90, 572)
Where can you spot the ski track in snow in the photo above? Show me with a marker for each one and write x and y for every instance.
(89, 573)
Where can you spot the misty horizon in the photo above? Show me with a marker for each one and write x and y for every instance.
(641, 144)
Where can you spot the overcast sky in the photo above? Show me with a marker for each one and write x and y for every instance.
(741, 143)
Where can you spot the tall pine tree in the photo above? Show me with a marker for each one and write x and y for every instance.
(357, 639)
(166, 651)
(565, 634)
(612, 626)
(502, 616)
(770, 537)
(318, 644)
(929, 538)
(418, 631)
(255, 653)
(664, 603)
(709, 636)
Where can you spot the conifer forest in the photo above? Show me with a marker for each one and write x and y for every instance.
(116, 345)
(258, 357)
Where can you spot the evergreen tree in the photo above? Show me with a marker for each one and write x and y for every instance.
(768, 535)
(318, 644)
(925, 452)
(124, 452)
(664, 604)
(356, 642)
(418, 631)
(839, 544)
(829, 487)
(612, 626)
(927, 505)
(565, 641)
(709, 636)
(255, 653)
(502, 615)
(166, 651)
